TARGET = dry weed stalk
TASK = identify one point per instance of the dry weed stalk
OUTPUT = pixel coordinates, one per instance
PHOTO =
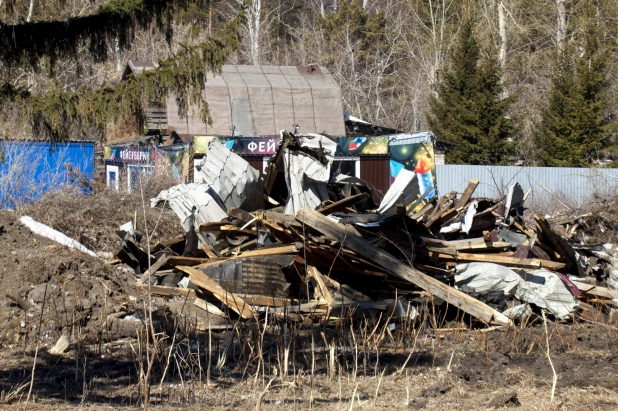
(555, 379)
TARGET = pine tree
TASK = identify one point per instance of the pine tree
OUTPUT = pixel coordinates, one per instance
(469, 109)
(577, 126)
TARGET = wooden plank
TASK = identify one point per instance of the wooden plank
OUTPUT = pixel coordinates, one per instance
(422, 212)
(478, 244)
(465, 196)
(286, 249)
(209, 307)
(399, 269)
(211, 226)
(503, 260)
(235, 303)
(190, 261)
(596, 290)
(240, 214)
(313, 272)
(238, 248)
(165, 291)
(229, 228)
(266, 301)
(154, 268)
(210, 252)
(342, 204)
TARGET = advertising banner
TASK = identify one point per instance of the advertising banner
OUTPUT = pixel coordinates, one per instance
(240, 145)
(414, 152)
(120, 154)
(174, 161)
(351, 146)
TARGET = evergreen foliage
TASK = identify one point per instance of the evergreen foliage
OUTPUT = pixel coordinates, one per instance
(183, 73)
(469, 109)
(26, 44)
(577, 126)
(355, 27)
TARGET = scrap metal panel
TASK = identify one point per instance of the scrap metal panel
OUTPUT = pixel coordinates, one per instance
(549, 185)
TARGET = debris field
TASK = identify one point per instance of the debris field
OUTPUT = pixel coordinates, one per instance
(311, 245)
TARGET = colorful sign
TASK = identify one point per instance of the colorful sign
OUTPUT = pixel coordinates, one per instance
(120, 154)
(362, 145)
(259, 146)
(174, 161)
(414, 152)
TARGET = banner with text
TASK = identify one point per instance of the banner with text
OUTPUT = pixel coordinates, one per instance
(259, 146)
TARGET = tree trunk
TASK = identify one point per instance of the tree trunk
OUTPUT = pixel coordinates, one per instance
(30, 9)
(503, 39)
(562, 25)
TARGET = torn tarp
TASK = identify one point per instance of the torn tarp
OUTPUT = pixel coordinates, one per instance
(542, 287)
(234, 180)
(307, 172)
(404, 190)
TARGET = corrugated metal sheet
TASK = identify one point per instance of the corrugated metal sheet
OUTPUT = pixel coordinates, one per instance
(375, 171)
(28, 169)
(550, 185)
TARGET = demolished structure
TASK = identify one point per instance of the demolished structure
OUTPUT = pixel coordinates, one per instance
(309, 244)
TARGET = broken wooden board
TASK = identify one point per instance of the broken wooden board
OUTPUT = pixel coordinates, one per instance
(503, 260)
(399, 269)
(210, 252)
(325, 293)
(165, 291)
(465, 196)
(153, 268)
(596, 290)
(285, 249)
(190, 261)
(235, 303)
(342, 204)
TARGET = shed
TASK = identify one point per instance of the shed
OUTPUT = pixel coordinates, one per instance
(155, 116)
(256, 101)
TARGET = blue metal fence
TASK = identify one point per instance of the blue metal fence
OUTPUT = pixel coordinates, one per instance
(551, 187)
(29, 169)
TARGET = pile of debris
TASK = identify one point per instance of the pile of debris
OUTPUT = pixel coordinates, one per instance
(309, 244)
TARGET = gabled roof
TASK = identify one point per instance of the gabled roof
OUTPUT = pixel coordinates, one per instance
(136, 67)
(256, 101)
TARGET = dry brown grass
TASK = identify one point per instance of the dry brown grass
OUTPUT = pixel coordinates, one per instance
(94, 218)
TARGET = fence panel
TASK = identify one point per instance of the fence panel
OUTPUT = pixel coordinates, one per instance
(552, 187)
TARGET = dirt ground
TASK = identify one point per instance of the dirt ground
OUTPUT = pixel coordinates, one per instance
(97, 307)
(465, 370)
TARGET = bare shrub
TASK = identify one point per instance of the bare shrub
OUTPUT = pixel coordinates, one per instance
(93, 218)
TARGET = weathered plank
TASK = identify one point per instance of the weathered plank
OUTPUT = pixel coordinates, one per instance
(596, 290)
(235, 303)
(324, 291)
(503, 260)
(399, 269)
(165, 291)
(154, 267)
(342, 204)
(465, 196)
